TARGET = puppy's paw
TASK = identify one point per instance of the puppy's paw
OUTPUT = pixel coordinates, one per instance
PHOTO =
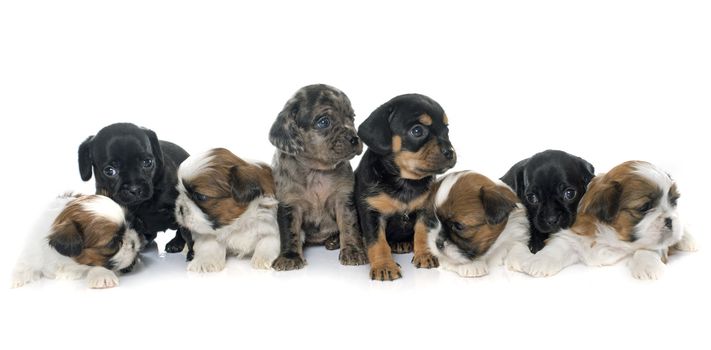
(102, 279)
(647, 269)
(401, 247)
(201, 265)
(333, 242)
(687, 243)
(288, 261)
(262, 262)
(387, 271)
(473, 269)
(20, 278)
(515, 263)
(352, 256)
(425, 261)
(175, 245)
(541, 266)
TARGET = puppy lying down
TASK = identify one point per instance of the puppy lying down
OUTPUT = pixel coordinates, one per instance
(79, 236)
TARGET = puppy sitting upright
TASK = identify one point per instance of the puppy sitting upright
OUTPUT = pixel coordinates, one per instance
(315, 139)
(408, 143)
(139, 172)
(550, 184)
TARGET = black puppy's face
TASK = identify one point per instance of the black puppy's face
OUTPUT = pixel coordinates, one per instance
(125, 159)
(413, 129)
(550, 184)
(317, 124)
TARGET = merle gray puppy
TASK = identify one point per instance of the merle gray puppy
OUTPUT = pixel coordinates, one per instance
(315, 140)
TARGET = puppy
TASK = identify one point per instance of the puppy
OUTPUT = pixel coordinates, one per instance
(139, 172)
(229, 206)
(550, 184)
(79, 236)
(315, 139)
(474, 223)
(408, 143)
(629, 212)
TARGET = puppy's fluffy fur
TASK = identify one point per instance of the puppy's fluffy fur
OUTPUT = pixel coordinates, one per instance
(475, 223)
(229, 206)
(79, 236)
(629, 212)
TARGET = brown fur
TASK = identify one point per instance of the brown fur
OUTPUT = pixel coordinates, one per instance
(425, 119)
(416, 165)
(387, 205)
(422, 257)
(382, 265)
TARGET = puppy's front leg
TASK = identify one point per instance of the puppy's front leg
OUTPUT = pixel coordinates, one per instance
(291, 250)
(422, 257)
(556, 255)
(351, 241)
(382, 265)
(687, 243)
(517, 254)
(210, 255)
(101, 278)
(646, 265)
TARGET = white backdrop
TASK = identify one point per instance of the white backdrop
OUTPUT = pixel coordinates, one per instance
(607, 80)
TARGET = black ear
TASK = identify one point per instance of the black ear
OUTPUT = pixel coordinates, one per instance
(156, 149)
(245, 186)
(375, 131)
(66, 238)
(587, 169)
(284, 134)
(605, 202)
(496, 206)
(85, 161)
(514, 178)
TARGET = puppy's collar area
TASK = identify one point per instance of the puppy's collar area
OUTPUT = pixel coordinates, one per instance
(315, 164)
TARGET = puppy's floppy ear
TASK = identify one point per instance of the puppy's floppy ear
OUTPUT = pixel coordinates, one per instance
(245, 185)
(85, 161)
(587, 169)
(284, 134)
(604, 202)
(156, 149)
(514, 177)
(66, 238)
(496, 206)
(375, 131)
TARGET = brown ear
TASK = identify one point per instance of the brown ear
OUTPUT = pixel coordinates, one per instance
(604, 202)
(496, 205)
(67, 238)
(245, 184)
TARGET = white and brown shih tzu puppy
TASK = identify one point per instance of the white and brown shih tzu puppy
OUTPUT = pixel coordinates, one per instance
(475, 223)
(229, 206)
(629, 212)
(79, 236)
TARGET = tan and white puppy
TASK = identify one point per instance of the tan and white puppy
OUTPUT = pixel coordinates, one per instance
(79, 236)
(629, 212)
(229, 206)
(476, 223)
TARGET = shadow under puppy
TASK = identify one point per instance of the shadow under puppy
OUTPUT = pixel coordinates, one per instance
(315, 140)
(550, 185)
(474, 223)
(408, 143)
(229, 205)
(79, 236)
(139, 172)
(629, 212)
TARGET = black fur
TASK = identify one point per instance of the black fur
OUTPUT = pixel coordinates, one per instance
(547, 176)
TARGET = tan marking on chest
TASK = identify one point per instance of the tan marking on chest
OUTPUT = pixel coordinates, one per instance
(385, 204)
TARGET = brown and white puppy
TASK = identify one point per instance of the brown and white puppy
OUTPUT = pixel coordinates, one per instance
(315, 140)
(79, 236)
(475, 223)
(629, 212)
(229, 206)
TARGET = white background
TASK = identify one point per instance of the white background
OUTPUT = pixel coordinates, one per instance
(606, 80)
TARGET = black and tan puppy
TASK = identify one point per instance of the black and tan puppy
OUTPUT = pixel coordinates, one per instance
(315, 139)
(550, 185)
(408, 144)
(139, 172)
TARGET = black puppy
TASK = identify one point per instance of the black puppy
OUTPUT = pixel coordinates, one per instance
(138, 172)
(550, 185)
(408, 143)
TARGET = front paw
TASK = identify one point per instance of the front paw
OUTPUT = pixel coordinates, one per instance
(473, 269)
(102, 280)
(333, 242)
(401, 247)
(288, 261)
(425, 261)
(541, 266)
(648, 269)
(388, 271)
(686, 244)
(206, 265)
(175, 245)
(21, 278)
(352, 256)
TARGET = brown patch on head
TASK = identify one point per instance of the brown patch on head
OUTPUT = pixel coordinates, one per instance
(475, 212)
(445, 120)
(617, 199)
(229, 184)
(425, 119)
(427, 161)
(397, 143)
(86, 237)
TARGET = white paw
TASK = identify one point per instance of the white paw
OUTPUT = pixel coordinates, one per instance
(103, 279)
(687, 244)
(647, 269)
(206, 265)
(21, 278)
(262, 262)
(474, 269)
(515, 263)
(541, 266)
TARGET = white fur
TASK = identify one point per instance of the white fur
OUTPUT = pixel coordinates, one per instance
(39, 259)
(194, 165)
(446, 186)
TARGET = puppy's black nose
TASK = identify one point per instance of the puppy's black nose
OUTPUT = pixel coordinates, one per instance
(354, 140)
(668, 223)
(448, 152)
(135, 190)
(552, 220)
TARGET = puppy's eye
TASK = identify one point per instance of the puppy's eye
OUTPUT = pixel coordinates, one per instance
(418, 131)
(673, 201)
(569, 194)
(323, 122)
(147, 163)
(199, 197)
(458, 227)
(532, 198)
(645, 208)
(110, 171)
